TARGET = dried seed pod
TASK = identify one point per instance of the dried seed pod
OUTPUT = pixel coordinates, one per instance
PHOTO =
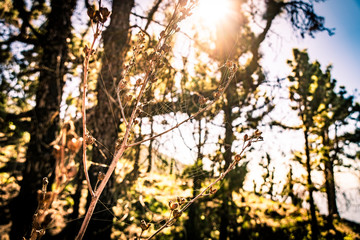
(246, 137)
(173, 205)
(144, 226)
(138, 111)
(177, 213)
(105, 13)
(181, 200)
(97, 18)
(74, 145)
(138, 82)
(257, 133)
(86, 50)
(212, 190)
(91, 12)
(100, 176)
(128, 98)
(45, 182)
(89, 140)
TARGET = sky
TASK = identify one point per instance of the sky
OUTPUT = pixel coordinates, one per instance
(341, 50)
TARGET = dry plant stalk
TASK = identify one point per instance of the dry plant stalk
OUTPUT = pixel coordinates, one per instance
(65, 148)
(182, 10)
(42, 217)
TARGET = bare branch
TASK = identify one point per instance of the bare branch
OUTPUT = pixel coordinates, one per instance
(192, 116)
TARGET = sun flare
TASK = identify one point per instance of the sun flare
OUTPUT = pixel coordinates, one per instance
(211, 12)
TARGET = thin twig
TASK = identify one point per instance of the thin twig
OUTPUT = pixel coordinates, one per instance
(86, 66)
(203, 192)
(189, 118)
(121, 107)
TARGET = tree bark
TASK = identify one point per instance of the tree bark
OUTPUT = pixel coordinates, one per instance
(329, 181)
(193, 225)
(45, 116)
(107, 118)
(314, 223)
(150, 148)
(229, 137)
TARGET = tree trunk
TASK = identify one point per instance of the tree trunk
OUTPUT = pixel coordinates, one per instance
(150, 145)
(193, 227)
(314, 223)
(229, 136)
(329, 181)
(45, 117)
(107, 118)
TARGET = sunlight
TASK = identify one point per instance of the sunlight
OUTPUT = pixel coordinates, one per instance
(211, 12)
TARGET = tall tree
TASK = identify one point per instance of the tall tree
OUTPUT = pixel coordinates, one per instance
(193, 225)
(52, 38)
(303, 97)
(322, 110)
(335, 111)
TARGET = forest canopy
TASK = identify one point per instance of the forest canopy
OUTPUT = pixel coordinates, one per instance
(161, 120)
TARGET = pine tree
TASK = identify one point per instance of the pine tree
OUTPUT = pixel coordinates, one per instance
(335, 111)
(303, 97)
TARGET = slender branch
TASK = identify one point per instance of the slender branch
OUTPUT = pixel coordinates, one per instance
(121, 107)
(255, 138)
(102, 185)
(143, 17)
(86, 67)
(189, 118)
(152, 13)
(20, 38)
